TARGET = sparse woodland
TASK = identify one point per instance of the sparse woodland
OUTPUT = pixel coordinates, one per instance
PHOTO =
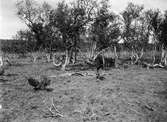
(52, 70)
(87, 26)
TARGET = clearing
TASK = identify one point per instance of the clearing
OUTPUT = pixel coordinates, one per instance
(133, 94)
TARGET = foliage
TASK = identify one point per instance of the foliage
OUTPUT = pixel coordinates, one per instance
(163, 28)
(70, 21)
(68, 26)
(36, 18)
(132, 24)
(154, 19)
(105, 27)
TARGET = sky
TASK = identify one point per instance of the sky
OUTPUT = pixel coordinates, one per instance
(10, 23)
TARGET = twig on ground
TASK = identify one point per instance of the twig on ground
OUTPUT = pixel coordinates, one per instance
(55, 113)
(55, 108)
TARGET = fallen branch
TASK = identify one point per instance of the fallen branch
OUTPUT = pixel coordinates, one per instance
(77, 74)
(158, 65)
(145, 64)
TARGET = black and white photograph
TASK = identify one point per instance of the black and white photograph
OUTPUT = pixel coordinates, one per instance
(83, 60)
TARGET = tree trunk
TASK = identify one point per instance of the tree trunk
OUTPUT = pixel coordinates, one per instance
(162, 53)
(139, 55)
(75, 48)
(116, 57)
(67, 60)
(154, 53)
(163, 56)
(93, 49)
(71, 55)
(1, 60)
(75, 55)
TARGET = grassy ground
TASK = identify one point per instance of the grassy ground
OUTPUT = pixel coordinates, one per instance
(125, 95)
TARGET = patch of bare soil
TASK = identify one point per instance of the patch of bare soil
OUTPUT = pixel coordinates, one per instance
(125, 95)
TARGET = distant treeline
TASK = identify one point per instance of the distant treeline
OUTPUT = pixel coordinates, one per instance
(22, 46)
